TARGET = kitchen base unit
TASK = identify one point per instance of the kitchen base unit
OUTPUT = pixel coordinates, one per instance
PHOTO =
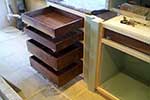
(123, 77)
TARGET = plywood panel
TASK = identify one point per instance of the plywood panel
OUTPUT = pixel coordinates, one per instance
(94, 55)
(111, 63)
(137, 69)
(125, 88)
(86, 48)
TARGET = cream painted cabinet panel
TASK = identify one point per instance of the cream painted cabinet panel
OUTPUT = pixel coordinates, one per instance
(35, 4)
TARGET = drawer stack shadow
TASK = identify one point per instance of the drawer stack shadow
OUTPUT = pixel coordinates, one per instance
(55, 43)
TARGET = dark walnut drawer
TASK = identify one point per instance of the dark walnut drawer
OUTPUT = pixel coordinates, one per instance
(55, 44)
(58, 77)
(58, 60)
(53, 21)
(127, 41)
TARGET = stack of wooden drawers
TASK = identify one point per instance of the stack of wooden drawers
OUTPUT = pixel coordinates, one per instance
(55, 43)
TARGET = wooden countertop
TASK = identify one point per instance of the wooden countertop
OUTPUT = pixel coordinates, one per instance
(138, 32)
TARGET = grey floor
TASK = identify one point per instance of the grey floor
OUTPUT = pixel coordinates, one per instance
(15, 67)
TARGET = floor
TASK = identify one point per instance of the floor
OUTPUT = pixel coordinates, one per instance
(136, 89)
(15, 67)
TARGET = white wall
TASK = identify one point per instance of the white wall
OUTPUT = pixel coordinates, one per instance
(35, 4)
(3, 14)
(31, 5)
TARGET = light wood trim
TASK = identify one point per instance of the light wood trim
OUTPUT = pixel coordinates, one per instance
(127, 50)
(106, 94)
(98, 80)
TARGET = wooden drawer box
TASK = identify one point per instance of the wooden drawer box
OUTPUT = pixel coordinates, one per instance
(58, 60)
(127, 41)
(55, 44)
(58, 77)
(53, 21)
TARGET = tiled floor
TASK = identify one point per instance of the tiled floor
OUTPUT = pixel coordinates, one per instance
(15, 67)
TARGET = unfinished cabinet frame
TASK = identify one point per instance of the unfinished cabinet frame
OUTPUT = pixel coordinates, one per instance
(91, 52)
(94, 42)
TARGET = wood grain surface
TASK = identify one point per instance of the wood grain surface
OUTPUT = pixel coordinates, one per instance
(55, 44)
(58, 77)
(53, 21)
(57, 60)
(127, 41)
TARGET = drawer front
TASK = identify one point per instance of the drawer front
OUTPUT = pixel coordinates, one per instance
(57, 60)
(55, 44)
(129, 42)
(58, 77)
(53, 21)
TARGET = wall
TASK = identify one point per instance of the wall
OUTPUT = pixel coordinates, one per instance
(3, 14)
(35, 4)
(31, 5)
(115, 3)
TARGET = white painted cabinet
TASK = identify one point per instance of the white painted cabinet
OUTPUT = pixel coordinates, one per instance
(35, 4)
(3, 14)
